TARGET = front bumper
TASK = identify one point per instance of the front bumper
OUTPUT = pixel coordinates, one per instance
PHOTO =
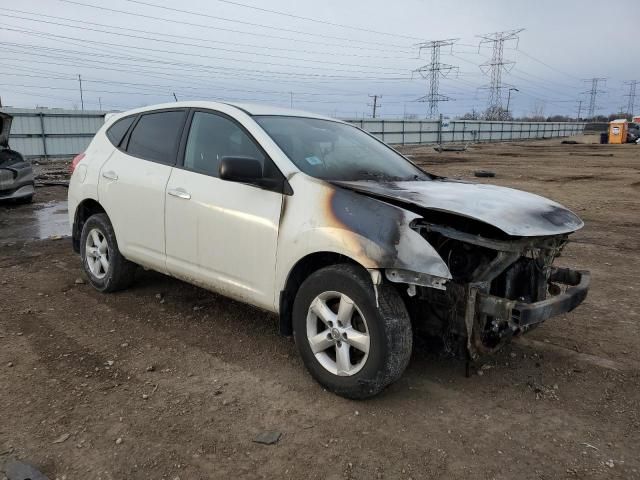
(522, 315)
(23, 191)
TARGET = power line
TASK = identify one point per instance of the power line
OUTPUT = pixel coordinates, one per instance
(174, 52)
(300, 17)
(433, 71)
(546, 64)
(186, 37)
(495, 66)
(378, 44)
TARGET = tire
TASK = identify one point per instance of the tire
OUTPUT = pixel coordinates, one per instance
(118, 272)
(24, 200)
(384, 331)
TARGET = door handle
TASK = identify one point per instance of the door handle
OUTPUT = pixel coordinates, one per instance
(110, 175)
(180, 193)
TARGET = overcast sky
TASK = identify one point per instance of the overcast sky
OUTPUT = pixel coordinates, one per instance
(326, 57)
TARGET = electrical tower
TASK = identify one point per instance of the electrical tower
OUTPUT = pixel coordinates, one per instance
(632, 96)
(593, 94)
(495, 67)
(375, 105)
(579, 109)
(433, 71)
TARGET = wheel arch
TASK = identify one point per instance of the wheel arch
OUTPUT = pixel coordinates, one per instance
(298, 273)
(84, 210)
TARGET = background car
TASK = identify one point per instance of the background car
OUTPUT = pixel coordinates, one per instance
(633, 133)
(16, 173)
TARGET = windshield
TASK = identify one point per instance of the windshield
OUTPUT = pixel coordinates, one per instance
(337, 151)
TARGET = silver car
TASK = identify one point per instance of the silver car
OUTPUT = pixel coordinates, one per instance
(16, 173)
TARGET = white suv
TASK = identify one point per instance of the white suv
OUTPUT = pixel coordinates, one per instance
(313, 219)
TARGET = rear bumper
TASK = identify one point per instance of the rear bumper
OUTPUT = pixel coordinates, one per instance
(522, 315)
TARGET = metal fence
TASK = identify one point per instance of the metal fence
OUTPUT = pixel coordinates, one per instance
(52, 133)
(414, 132)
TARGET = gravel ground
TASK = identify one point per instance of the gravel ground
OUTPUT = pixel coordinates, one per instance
(166, 380)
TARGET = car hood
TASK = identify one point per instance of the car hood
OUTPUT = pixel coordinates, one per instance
(5, 128)
(513, 211)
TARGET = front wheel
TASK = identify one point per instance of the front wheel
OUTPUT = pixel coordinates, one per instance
(106, 268)
(352, 343)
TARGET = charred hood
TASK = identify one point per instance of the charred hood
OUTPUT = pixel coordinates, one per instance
(514, 212)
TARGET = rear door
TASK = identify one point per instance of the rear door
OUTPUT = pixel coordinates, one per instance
(221, 234)
(132, 185)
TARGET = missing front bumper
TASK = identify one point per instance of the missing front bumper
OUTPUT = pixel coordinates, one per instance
(522, 315)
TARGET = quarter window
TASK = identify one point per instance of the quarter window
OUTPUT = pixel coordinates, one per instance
(116, 132)
(213, 137)
(156, 136)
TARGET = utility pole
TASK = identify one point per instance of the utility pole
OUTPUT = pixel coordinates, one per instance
(593, 94)
(433, 71)
(291, 99)
(631, 106)
(100, 102)
(509, 97)
(375, 104)
(495, 67)
(81, 99)
(579, 109)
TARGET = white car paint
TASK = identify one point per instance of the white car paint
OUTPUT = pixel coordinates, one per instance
(241, 240)
(224, 236)
(133, 191)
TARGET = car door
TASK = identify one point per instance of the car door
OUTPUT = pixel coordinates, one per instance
(132, 185)
(222, 234)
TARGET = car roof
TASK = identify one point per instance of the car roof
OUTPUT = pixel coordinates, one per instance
(248, 108)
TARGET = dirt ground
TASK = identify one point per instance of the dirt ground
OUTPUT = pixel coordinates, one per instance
(168, 381)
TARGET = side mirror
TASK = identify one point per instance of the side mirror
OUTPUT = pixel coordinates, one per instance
(240, 169)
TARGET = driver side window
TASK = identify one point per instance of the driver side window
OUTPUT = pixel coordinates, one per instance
(212, 137)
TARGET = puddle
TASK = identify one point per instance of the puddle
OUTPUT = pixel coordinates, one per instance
(37, 221)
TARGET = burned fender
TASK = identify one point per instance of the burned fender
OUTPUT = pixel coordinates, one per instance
(376, 234)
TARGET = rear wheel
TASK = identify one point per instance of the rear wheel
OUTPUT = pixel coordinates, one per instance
(351, 345)
(106, 268)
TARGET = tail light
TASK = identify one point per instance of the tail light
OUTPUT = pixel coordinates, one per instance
(75, 162)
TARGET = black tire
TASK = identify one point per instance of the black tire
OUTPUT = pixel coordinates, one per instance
(121, 271)
(389, 329)
(24, 200)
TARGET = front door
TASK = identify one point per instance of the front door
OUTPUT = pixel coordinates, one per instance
(221, 234)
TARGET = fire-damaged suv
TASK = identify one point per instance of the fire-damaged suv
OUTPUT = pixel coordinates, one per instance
(350, 243)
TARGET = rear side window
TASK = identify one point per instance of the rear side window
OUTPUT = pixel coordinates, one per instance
(116, 132)
(156, 136)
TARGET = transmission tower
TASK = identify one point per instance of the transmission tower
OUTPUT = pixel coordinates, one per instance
(593, 94)
(631, 106)
(580, 102)
(433, 71)
(496, 66)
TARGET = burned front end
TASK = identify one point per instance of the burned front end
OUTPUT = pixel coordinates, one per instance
(501, 286)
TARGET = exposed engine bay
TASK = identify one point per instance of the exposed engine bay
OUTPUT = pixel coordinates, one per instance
(502, 286)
